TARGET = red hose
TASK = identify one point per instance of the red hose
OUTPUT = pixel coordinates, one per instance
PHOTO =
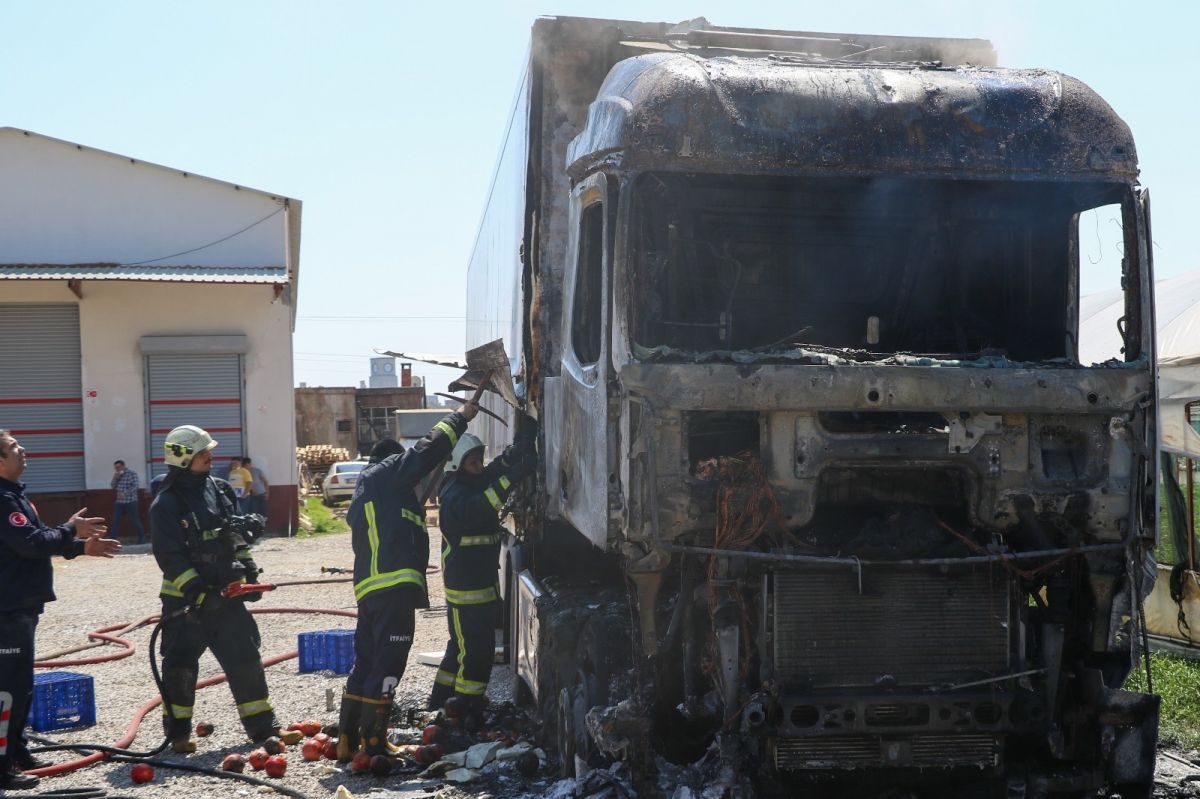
(131, 731)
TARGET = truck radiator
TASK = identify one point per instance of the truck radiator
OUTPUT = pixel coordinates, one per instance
(909, 626)
(948, 750)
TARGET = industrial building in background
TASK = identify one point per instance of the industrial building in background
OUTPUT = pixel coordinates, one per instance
(136, 298)
(356, 418)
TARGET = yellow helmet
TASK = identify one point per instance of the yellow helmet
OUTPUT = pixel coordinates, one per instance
(182, 444)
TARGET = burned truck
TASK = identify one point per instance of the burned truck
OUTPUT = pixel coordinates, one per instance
(825, 494)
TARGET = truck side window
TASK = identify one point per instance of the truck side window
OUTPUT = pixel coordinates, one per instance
(586, 329)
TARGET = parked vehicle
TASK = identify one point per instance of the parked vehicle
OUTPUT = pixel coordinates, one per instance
(340, 481)
(823, 484)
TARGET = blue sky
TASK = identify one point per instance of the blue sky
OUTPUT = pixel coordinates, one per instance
(385, 118)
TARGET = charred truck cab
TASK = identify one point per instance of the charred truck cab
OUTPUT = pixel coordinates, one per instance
(824, 487)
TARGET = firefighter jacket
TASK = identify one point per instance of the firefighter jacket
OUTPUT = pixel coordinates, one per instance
(26, 546)
(469, 519)
(387, 519)
(193, 541)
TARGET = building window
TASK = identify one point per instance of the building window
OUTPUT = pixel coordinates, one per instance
(375, 424)
(345, 426)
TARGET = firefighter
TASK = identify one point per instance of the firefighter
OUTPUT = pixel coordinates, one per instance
(470, 502)
(26, 585)
(202, 546)
(391, 551)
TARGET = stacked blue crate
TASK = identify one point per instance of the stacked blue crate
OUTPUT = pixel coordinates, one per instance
(322, 650)
(62, 700)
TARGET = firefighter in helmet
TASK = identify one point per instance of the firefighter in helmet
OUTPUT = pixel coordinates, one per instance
(391, 551)
(202, 546)
(469, 518)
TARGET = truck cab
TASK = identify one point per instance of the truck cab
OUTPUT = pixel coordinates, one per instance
(801, 328)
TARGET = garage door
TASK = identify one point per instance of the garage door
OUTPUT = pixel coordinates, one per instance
(199, 389)
(41, 391)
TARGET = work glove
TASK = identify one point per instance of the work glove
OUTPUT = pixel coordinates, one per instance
(252, 573)
(198, 595)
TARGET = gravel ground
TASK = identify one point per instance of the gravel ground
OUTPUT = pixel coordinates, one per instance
(94, 593)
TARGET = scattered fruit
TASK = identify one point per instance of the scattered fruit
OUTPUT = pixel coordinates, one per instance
(430, 734)
(142, 772)
(203, 729)
(276, 766)
(321, 738)
(311, 749)
(234, 762)
(360, 763)
(381, 765)
(310, 727)
(274, 746)
(329, 750)
(258, 759)
(430, 753)
(295, 725)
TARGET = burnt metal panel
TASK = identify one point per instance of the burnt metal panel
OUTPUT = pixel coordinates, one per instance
(903, 627)
(684, 111)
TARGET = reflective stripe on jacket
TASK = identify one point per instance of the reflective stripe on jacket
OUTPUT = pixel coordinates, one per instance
(387, 523)
(471, 531)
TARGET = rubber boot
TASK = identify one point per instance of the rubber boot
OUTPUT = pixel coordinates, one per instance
(179, 686)
(439, 695)
(374, 726)
(348, 737)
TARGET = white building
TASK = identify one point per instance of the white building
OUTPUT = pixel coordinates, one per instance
(134, 298)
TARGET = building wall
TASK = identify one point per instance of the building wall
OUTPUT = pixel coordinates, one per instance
(318, 411)
(64, 203)
(113, 316)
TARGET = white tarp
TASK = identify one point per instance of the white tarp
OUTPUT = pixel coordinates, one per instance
(1177, 318)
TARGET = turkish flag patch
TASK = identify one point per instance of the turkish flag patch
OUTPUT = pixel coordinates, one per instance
(18, 519)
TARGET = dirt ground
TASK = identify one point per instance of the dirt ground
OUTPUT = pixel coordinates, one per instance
(94, 593)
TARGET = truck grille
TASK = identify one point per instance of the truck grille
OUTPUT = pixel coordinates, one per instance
(909, 626)
(870, 751)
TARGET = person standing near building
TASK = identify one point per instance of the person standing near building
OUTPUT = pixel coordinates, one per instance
(258, 488)
(26, 585)
(202, 547)
(391, 552)
(471, 498)
(125, 484)
(241, 482)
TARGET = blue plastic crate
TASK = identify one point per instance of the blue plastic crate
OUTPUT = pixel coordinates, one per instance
(331, 650)
(62, 700)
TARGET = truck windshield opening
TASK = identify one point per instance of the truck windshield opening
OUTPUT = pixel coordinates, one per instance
(874, 266)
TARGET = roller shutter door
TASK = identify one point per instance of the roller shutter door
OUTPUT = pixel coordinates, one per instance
(199, 389)
(41, 392)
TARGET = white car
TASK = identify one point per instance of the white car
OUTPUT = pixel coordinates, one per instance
(340, 480)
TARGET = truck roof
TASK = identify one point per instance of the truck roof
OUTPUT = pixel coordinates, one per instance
(810, 114)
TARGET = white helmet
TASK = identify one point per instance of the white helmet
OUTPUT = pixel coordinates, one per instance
(466, 445)
(182, 444)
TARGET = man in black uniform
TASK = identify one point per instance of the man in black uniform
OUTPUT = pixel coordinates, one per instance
(391, 551)
(471, 498)
(202, 546)
(26, 584)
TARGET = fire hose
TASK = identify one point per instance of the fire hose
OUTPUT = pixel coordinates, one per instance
(119, 749)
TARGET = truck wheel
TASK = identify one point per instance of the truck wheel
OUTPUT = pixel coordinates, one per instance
(566, 731)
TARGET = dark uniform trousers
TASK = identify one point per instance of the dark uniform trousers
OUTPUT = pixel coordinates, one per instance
(16, 679)
(470, 652)
(226, 627)
(382, 640)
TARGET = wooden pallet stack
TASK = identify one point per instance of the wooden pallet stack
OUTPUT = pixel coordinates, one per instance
(315, 460)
